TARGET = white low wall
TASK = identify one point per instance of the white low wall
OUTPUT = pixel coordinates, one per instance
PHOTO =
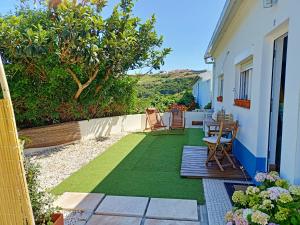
(111, 125)
(130, 123)
(65, 133)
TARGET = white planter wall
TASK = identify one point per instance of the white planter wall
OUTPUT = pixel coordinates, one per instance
(130, 123)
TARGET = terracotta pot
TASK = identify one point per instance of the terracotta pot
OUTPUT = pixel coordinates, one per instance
(242, 103)
(220, 98)
(57, 219)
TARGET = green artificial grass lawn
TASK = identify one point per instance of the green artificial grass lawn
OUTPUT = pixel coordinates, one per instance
(140, 164)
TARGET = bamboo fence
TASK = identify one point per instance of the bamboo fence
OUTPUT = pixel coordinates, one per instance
(15, 206)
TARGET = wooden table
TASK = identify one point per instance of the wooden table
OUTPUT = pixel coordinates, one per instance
(214, 125)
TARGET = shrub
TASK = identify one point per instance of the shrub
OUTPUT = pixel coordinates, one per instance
(208, 106)
(273, 202)
(41, 201)
(67, 62)
(187, 99)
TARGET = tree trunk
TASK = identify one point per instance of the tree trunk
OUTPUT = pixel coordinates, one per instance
(78, 93)
(81, 86)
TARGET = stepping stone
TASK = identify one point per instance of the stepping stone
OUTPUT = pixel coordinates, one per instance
(122, 206)
(114, 220)
(174, 209)
(79, 201)
(169, 222)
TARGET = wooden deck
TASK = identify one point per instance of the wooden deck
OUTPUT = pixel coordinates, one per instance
(193, 166)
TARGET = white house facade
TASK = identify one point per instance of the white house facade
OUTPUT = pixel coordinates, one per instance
(202, 89)
(255, 54)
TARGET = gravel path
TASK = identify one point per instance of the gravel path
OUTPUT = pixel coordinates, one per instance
(69, 158)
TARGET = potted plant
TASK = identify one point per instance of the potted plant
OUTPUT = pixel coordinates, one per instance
(244, 103)
(57, 219)
(273, 202)
(220, 98)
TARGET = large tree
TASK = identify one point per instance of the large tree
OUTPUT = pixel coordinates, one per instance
(74, 36)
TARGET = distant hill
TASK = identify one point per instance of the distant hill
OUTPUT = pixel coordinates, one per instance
(165, 88)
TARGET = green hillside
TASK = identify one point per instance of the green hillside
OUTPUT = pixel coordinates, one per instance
(163, 89)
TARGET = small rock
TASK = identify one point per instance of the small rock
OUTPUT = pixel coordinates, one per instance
(58, 163)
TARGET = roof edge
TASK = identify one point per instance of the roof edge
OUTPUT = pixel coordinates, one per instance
(229, 10)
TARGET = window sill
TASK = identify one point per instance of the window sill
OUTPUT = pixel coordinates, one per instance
(220, 98)
(242, 103)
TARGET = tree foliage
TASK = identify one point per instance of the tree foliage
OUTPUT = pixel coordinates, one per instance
(66, 61)
(163, 90)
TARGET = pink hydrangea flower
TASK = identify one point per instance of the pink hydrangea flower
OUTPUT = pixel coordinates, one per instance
(260, 177)
(275, 192)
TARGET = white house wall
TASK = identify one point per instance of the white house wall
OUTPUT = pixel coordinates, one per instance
(252, 32)
(202, 92)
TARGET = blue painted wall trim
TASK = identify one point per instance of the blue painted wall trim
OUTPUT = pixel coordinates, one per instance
(251, 163)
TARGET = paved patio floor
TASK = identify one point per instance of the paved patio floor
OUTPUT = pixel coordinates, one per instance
(98, 209)
(217, 200)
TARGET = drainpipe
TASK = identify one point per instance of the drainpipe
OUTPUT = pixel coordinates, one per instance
(211, 60)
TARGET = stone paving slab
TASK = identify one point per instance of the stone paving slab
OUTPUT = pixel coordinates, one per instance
(79, 201)
(114, 220)
(172, 209)
(123, 206)
(168, 222)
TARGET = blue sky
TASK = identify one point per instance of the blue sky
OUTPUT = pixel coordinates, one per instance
(186, 25)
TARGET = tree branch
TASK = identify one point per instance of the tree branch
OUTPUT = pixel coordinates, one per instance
(93, 77)
(75, 78)
(106, 76)
(81, 86)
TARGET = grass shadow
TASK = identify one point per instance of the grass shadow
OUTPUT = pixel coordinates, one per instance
(140, 164)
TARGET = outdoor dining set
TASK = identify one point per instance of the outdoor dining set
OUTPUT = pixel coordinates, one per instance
(221, 133)
(220, 130)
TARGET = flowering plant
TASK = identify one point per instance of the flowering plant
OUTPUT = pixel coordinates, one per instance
(273, 202)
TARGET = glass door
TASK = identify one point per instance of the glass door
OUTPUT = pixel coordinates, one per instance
(277, 102)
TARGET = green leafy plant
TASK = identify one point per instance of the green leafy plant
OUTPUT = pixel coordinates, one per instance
(208, 106)
(163, 89)
(273, 202)
(65, 61)
(41, 201)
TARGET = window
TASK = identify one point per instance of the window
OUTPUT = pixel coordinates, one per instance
(243, 83)
(244, 92)
(221, 85)
(244, 80)
(220, 88)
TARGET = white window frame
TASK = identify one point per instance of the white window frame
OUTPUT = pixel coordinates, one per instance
(244, 80)
(221, 85)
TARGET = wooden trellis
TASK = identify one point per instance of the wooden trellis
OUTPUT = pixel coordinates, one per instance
(15, 206)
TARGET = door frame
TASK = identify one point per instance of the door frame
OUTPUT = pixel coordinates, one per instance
(278, 48)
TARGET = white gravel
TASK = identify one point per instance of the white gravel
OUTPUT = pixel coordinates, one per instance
(60, 162)
(76, 217)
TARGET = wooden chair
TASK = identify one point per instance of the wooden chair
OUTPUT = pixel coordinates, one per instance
(154, 120)
(227, 147)
(215, 144)
(177, 119)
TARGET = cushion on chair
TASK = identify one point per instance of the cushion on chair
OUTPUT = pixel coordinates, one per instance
(213, 140)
